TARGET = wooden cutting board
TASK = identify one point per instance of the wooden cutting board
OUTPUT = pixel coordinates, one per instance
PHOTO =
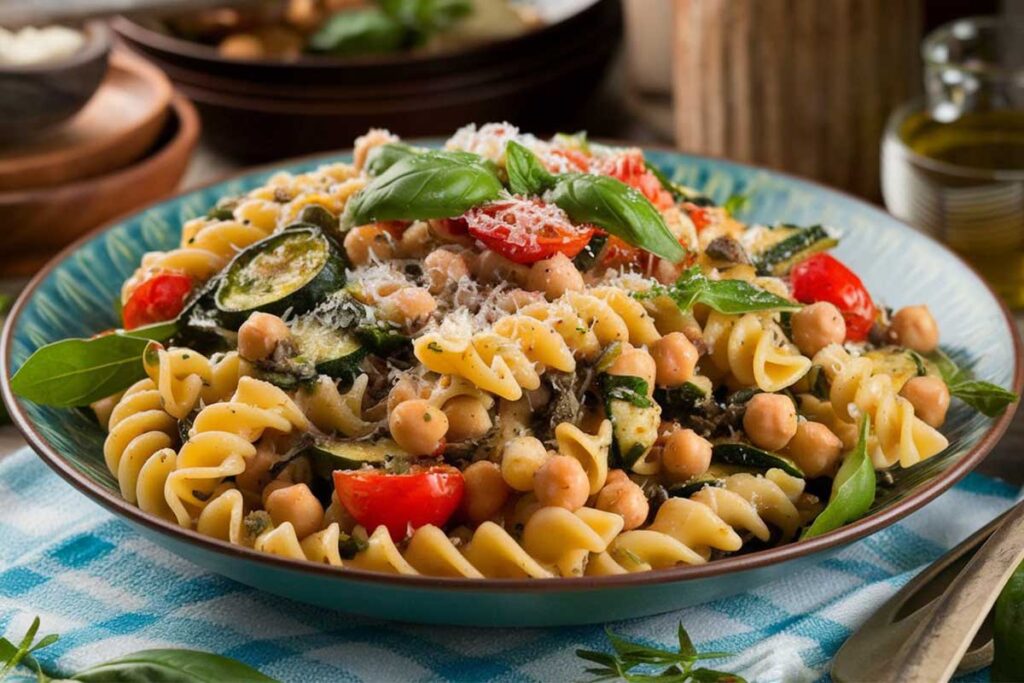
(117, 127)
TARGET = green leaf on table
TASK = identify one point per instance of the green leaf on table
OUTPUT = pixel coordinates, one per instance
(526, 174)
(853, 489)
(1008, 631)
(423, 186)
(76, 372)
(619, 209)
(724, 296)
(13, 655)
(171, 666)
(988, 398)
(357, 32)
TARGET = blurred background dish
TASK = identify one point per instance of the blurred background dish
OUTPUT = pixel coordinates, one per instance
(47, 75)
(115, 128)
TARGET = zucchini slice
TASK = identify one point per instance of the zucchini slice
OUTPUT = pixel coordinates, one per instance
(334, 352)
(634, 416)
(688, 488)
(588, 257)
(293, 269)
(745, 455)
(328, 455)
(683, 400)
(776, 250)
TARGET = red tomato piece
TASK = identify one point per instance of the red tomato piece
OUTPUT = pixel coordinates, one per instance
(575, 160)
(701, 216)
(631, 169)
(400, 502)
(159, 298)
(822, 278)
(526, 230)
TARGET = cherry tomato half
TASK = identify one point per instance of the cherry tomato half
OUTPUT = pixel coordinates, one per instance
(159, 298)
(822, 278)
(630, 168)
(400, 501)
(525, 230)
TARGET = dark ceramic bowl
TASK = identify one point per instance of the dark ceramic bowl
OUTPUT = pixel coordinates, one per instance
(36, 97)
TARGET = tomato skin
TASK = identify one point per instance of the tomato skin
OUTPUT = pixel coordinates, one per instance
(700, 215)
(546, 229)
(400, 501)
(631, 169)
(823, 278)
(160, 297)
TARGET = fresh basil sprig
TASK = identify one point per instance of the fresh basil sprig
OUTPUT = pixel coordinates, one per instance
(595, 199)
(635, 662)
(76, 372)
(724, 296)
(627, 388)
(988, 398)
(180, 666)
(427, 185)
(853, 489)
(383, 157)
(1008, 631)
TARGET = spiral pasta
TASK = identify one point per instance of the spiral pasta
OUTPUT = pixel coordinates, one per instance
(754, 351)
(184, 377)
(139, 431)
(899, 435)
(334, 412)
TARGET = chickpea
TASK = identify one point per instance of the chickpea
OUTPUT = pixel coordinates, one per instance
(408, 305)
(514, 299)
(298, 505)
(367, 242)
(405, 389)
(770, 421)
(467, 418)
(417, 426)
(259, 336)
(815, 449)
(375, 137)
(520, 460)
(915, 328)
(623, 497)
(415, 240)
(667, 272)
(490, 266)
(675, 358)
(636, 363)
(816, 326)
(441, 228)
(443, 266)
(256, 475)
(242, 46)
(930, 398)
(561, 482)
(554, 276)
(485, 491)
(685, 455)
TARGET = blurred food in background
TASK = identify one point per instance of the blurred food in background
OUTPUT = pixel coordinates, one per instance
(31, 45)
(284, 30)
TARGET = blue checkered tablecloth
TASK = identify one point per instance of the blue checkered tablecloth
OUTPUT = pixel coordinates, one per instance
(107, 592)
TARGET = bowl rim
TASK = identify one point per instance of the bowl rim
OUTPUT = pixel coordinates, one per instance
(134, 30)
(740, 563)
(99, 41)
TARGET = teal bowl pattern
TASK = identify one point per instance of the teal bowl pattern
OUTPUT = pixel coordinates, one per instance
(74, 295)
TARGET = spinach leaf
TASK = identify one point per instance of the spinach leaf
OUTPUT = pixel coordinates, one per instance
(179, 666)
(853, 489)
(1008, 631)
(619, 209)
(633, 390)
(384, 157)
(985, 397)
(526, 175)
(76, 372)
(428, 185)
(724, 296)
(357, 32)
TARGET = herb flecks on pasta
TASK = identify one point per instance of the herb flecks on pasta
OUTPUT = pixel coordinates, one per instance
(511, 358)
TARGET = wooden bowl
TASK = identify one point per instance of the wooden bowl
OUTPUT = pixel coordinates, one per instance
(36, 97)
(114, 129)
(40, 222)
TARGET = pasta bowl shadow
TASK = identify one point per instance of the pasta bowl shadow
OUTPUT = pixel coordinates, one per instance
(73, 297)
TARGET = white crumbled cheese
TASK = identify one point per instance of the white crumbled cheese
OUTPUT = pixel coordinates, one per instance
(519, 219)
(377, 280)
(33, 45)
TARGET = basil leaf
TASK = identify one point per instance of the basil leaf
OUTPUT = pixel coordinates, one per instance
(427, 16)
(725, 296)
(526, 175)
(358, 32)
(619, 209)
(987, 398)
(736, 203)
(626, 388)
(1008, 631)
(384, 157)
(76, 372)
(171, 666)
(428, 185)
(853, 489)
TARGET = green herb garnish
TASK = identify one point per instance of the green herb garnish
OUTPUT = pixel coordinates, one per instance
(724, 296)
(633, 390)
(853, 489)
(985, 397)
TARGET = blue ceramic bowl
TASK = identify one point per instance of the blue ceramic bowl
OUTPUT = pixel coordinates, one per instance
(74, 295)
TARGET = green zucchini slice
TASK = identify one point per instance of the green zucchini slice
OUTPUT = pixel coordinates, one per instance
(332, 351)
(291, 270)
(328, 455)
(745, 455)
(688, 488)
(682, 400)
(634, 416)
(776, 250)
(588, 257)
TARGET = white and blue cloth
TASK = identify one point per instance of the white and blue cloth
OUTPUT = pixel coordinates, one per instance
(108, 592)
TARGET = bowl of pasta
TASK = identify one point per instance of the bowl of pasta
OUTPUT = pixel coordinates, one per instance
(505, 380)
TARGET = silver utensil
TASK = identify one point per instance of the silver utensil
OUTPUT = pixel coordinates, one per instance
(933, 627)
